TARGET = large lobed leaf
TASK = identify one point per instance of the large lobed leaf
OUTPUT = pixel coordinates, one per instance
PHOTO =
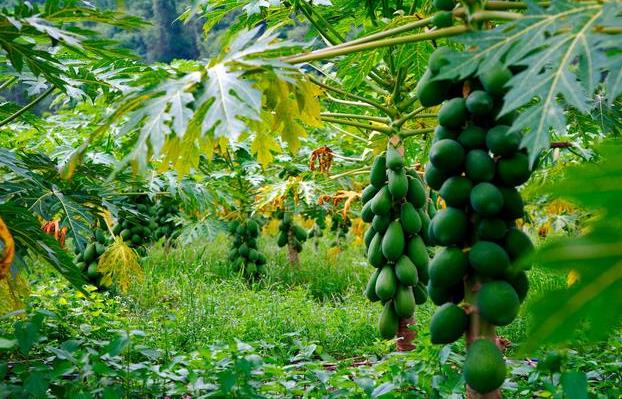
(566, 56)
(594, 301)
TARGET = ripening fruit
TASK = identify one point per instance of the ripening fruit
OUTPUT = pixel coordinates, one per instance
(486, 199)
(378, 174)
(398, 184)
(514, 171)
(456, 191)
(441, 132)
(381, 223)
(501, 141)
(484, 367)
(472, 137)
(381, 203)
(368, 193)
(520, 283)
(491, 229)
(404, 301)
(409, 218)
(513, 207)
(374, 252)
(386, 283)
(478, 166)
(447, 155)
(479, 103)
(418, 254)
(431, 92)
(448, 267)
(393, 242)
(388, 322)
(416, 192)
(517, 244)
(450, 226)
(498, 303)
(406, 271)
(394, 159)
(443, 19)
(495, 79)
(448, 324)
(366, 213)
(439, 57)
(435, 178)
(370, 289)
(421, 293)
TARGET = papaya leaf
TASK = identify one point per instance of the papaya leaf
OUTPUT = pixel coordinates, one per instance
(564, 52)
(595, 258)
(119, 266)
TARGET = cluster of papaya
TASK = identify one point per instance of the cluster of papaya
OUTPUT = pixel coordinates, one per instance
(320, 224)
(135, 232)
(395, 205)
(88, 259)
(244, 254)
(164, 219)
(289, 231)
(340, 227)
(475, 164)
(443, 16)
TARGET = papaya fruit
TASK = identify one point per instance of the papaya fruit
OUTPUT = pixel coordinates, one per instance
(395, 160)
(381, 203)
(478, 166)
(369, 235)
(447, 155)
(484, 368)
(404, 301)
(441, 132)
(90, 253)
(378, 174)
(431, 92)
(472, 137)
(489, 259)
(380, 223)
(81, 266)
(388, 322)
(251, 267)
(368, 193)
(374, 252)
(80, 256)
(517, 244)
(435, 178)
(100, 237)
(398, 184)
(409, 218)
(443, 19)
(501, 141)
(116, 230)
(456, 191)
(448, 267)
(252, 228)
(282, 239)
(393, 241)
(406, 271)
(519, 281)
(486, 199)
(416, 193)
(440, 57)
(99, 249)
(370, 288)
(490, 229)
(253, 255)
(91, 272)
(495, 79)
(299, 232)
(447, 324)
(418, 254)
(438, 295)
(513, 207)
(449, 226)
(386, 283)
(244, 250)
(498, 302)
(425, 227)
(479, 103)
(261, 259)
(126, 234)
(514, 171)
(453, 113)
(240, 230)
(421, 293)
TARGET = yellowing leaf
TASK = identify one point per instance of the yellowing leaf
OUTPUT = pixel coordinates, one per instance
(119, 265)
(263, 145)
(8, 249)
(13, 292)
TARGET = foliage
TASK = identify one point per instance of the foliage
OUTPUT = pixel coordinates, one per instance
(595, 256)
(119, 266)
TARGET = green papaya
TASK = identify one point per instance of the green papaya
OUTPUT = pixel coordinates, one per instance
(489, 259)
(299, 232)
(370, 289)
(514, 171)
(484, 368)
(116, 230)
(443, 19)
(81, 266)
(406, 271)
(418, 254)
(398, 184)
(381, 203)
(447, 155)
(472, 137)
(386, 284)
(90, 253)
(91, 272)
(251, 267)
(253, 255)
(425, 227)
(388, 322)
(440, 56)
(498, 303)
(435, 177)
(378, 174)
(495, 79)
(240, 230)
(449, 226)
(393, 241)
(374, 252)
(490, 229)
(486, 199)
(453, 113)
(261, 259)
(501, 141)
(99, 249)
(126, 234)
(431, 92)
(282, 239)
(404, 301)
(441, 132)
(80, 257)
(416, 192)
(252, 228)
(380, 223)
(448, 267)
(100, 237)
(368, 193)
(244, 250)
(456, 191)
(479, 103)
(394, 160)
(513, 207)
(448, 324)
(421, 293)
(409, 218)
(517, 244)
(369, 235)
(478, 166)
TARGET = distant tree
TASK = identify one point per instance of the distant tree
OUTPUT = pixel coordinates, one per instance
(173, 40)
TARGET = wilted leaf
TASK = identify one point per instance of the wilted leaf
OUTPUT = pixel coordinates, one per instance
(119, 265)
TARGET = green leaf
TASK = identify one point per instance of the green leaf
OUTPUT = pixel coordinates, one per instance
(7, 344)
(574, 384)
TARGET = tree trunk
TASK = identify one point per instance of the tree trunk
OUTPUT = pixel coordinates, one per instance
(478, 328)
(292, 254)
(405, 336)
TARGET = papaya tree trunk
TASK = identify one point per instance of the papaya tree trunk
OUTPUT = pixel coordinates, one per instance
(478, 328)
(405, 336)
(292, 253)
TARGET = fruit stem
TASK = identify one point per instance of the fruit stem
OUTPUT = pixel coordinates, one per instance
(369, 125)
(415, 132)
(484, 15)
(355, 116)
(351, 95)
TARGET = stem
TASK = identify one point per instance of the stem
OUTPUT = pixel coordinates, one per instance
(369, 126)
(405, 118)
(346, 102)
(334, 52)
(487, 15)
(355, 116)
(28, 106)
(351, 95)
(415, 132)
